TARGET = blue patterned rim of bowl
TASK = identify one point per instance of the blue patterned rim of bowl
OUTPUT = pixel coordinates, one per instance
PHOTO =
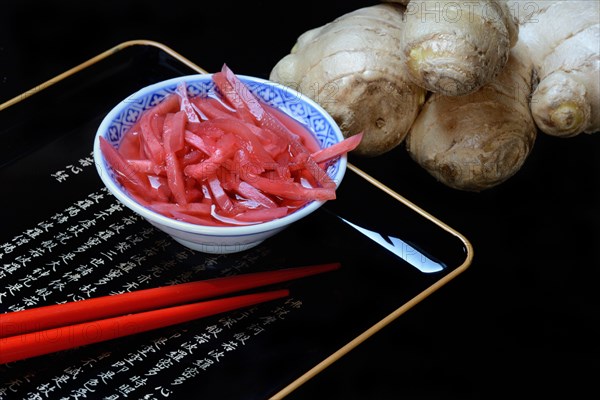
(119, 120)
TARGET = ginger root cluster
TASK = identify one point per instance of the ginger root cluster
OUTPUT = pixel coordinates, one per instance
(465, 86)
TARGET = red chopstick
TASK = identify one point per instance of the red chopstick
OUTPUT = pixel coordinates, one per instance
(47, 329)
(38, 343)
(41, 318)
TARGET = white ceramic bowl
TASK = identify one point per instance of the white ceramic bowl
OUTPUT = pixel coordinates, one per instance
(219, 239)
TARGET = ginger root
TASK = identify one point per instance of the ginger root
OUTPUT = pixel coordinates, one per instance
(454, 48)
(351, 67)
(496, 72)
(478, 141)
(563, 38)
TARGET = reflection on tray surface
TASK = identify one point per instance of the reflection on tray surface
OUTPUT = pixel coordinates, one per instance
(405, 251)
(77, 241)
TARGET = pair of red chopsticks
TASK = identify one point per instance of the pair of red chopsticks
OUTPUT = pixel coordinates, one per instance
(48, 329)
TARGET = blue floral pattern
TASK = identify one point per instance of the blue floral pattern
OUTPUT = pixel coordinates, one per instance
(287, 100)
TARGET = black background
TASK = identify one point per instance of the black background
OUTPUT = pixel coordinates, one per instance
(521, 321)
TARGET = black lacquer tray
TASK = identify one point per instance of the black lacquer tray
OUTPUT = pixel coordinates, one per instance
(64, 237)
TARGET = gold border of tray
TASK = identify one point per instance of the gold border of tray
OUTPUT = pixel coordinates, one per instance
(94, 60)
(399, 311)
(373, 329)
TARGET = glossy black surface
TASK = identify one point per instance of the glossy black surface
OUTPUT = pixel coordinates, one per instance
(521, 321)
(53, 131)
